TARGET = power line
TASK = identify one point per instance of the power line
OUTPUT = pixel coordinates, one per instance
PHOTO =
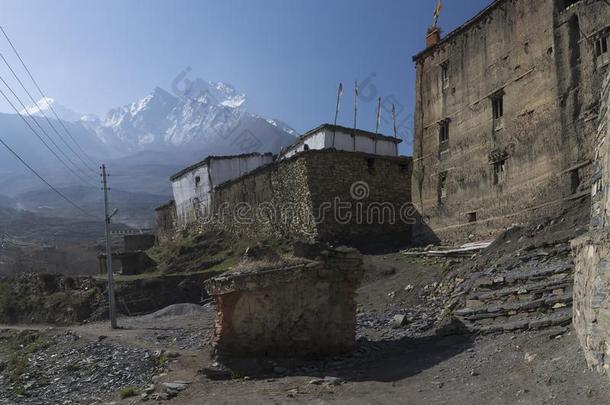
(30, 168)
(42, 113)
(78, 176)
(84, 175)
(44, 97)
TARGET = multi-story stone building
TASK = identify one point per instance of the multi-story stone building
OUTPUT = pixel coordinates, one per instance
(506, 115)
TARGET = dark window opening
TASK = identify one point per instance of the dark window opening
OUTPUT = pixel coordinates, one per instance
(442, 186)
(404, 168)
(305, 147)
(370, 163)
(445, 74)
(443, 136)
(601, 46)
(197, 180)
(497, 104)
(499, 174)
(472, 217)
(574, 181)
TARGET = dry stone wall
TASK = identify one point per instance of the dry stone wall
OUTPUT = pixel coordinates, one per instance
(592, 257)
(320, 195)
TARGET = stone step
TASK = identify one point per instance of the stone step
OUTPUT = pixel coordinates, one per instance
(499, 281)
(564, 282)
(505, 309)
(560, 317)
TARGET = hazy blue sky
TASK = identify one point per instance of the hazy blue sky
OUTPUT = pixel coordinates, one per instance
(287, 55)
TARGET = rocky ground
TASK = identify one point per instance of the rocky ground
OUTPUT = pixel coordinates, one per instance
(409, 348)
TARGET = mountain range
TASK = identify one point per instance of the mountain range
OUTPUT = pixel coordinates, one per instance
(142, 143)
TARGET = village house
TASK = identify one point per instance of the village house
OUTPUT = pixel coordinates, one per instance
(329, 136)
(506, 115)
(333, 184)
(193, 186)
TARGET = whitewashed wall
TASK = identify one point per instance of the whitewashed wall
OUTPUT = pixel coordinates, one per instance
(193, 197)
(190, 195)
(343, 140)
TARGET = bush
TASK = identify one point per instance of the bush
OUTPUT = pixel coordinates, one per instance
(129, 392)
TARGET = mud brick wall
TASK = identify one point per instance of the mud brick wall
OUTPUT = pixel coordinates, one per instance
(321, 195)
(299, 311)
(533, 55)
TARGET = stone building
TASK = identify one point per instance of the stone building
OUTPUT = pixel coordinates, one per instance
(302, 310)
(320, 189)
(506, 109)
(192, 186)
(331, 196)
(329, 136)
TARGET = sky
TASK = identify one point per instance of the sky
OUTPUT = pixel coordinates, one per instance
(288, 56)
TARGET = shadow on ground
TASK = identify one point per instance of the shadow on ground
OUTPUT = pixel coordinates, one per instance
(380, 361)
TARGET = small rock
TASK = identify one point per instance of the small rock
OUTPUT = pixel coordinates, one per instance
(333, 381)
(399, 321)
(174, 386)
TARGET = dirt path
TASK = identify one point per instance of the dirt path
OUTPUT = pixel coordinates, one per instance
(391, 366)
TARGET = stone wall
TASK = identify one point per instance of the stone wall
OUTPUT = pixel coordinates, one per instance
(592, 256)
(321, 195)
(533, 158)
(166, 222)
(592, 297)
(304, 310)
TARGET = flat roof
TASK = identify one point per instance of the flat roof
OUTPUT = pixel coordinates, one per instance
(487, 10)
(212, 157)
(340, 128)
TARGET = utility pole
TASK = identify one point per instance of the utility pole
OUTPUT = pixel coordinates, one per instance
(107, 217)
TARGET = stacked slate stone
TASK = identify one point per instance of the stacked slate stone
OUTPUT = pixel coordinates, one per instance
(535, 295)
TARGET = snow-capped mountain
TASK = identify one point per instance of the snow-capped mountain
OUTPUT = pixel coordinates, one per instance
(204, 115)
(44, 106)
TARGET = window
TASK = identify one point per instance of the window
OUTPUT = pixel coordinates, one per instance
(472, 217)
(497, 104)
(499, 174)
(574, 181)
(445, 74)
(370, 163)
(601, 46)
(197, 180)
(442, 186)
(443, 136)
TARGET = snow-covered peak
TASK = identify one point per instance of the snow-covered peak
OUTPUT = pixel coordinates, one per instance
(218, 93)
(43, 107)
(282, 126)
(201, 113)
